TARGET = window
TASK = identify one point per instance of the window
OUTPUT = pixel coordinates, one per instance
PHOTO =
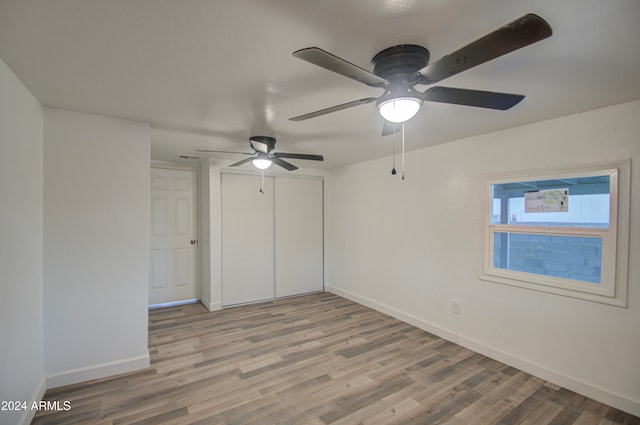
(561, 232)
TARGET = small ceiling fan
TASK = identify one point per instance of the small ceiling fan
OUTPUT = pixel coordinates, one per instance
(398, 69)
(263, 155)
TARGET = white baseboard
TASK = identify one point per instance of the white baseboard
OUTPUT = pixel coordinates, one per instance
(38, 394)
(211, 306)
(555, 377)
(102, 370)
(400, 315)
(573, 384)
(205, 302)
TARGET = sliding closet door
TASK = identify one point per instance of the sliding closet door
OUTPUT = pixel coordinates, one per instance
(247, 239)
(298, 236)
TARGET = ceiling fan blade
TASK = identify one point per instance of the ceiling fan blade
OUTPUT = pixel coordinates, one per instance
(284, 164)
(389, 128)
(477, 98)
(522, 32)
(334, 109)
(207, 150)
(243, 161)
(338, 65)
(309, 157)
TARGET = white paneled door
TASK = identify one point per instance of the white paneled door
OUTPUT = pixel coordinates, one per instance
(173, 236)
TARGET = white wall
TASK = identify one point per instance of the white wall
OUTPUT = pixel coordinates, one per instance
(204, 233)
(96, 245)
(210, 234)
(410, 248)
(21, 293)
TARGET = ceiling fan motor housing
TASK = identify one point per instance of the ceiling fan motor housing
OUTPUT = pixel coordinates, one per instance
(264, 144)
(400, 62)
(398, 65)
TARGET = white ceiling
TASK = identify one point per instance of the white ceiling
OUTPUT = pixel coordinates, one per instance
(208, 74)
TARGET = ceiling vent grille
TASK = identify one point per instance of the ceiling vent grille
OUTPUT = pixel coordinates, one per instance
(186, 156)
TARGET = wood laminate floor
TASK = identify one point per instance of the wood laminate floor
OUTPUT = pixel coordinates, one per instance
(315, 360)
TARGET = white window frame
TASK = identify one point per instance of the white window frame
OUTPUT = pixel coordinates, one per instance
(612, 288)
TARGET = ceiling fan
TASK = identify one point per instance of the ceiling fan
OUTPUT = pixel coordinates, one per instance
(263, 155)
(399, 69)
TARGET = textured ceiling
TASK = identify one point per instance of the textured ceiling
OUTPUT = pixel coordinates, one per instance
(208, 74)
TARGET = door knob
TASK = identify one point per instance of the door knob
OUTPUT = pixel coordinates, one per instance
(193, 241)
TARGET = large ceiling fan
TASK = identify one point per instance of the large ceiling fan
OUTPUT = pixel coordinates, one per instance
(399, 69)
(263, 155)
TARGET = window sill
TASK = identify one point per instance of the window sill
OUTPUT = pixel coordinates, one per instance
(564, 291)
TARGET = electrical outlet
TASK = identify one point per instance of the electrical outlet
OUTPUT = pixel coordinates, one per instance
(455, 307)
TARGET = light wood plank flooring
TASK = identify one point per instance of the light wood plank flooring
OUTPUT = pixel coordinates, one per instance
(315, 360)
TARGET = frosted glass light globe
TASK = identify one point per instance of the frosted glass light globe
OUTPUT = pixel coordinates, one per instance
(262, 163)
(399, 109)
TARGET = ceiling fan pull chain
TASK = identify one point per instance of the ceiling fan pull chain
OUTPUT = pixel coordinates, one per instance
(393, 170)
(402, 151)
(262, 181)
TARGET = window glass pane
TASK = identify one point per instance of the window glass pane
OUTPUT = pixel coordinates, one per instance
(569, 257)
(587, 203)
(584, 211)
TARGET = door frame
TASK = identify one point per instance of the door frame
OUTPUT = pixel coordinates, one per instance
(195, 167)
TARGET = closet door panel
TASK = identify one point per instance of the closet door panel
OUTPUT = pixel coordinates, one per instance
(247, 239)
(298, 236)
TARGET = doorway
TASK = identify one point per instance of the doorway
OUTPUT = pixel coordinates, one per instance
(173, 276)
